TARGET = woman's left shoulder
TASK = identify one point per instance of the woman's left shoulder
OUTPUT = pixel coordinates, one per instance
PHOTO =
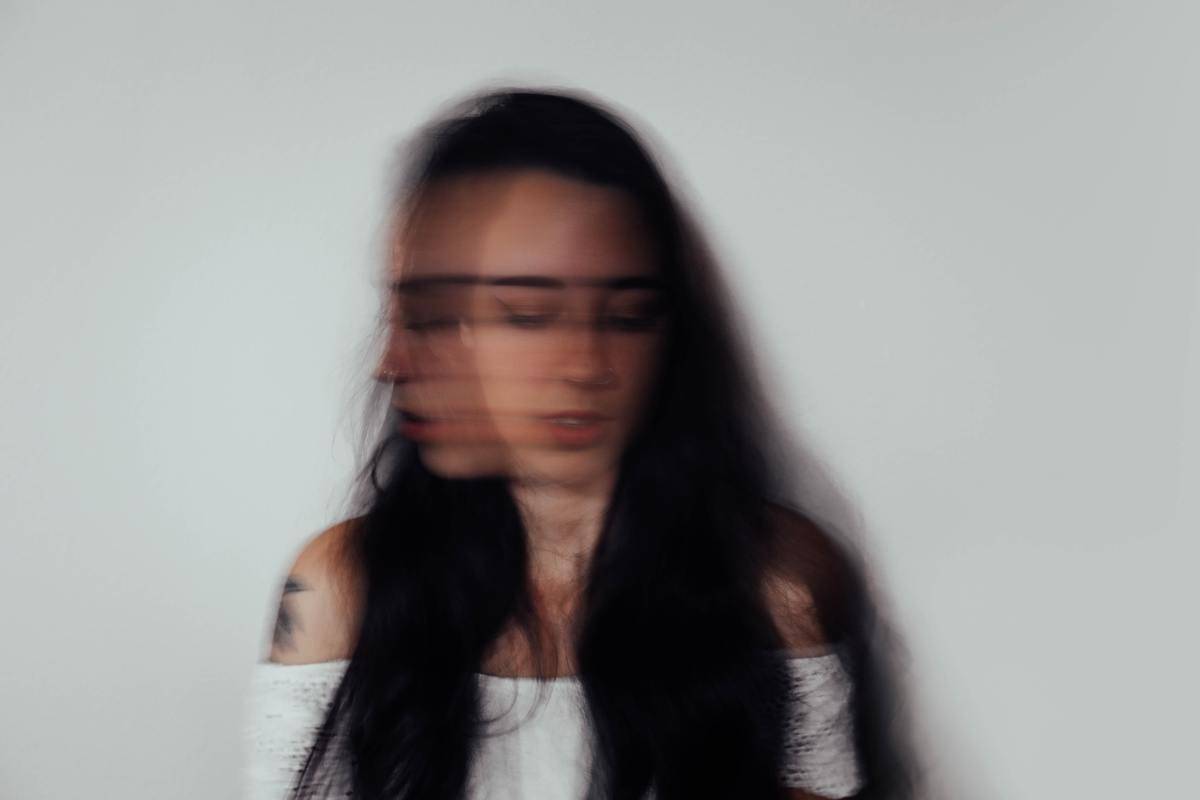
(800, 576)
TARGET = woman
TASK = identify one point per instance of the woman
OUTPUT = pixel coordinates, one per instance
(573, 571)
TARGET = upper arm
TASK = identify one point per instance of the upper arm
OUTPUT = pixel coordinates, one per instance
(794, 613)
(802, 582)
(807, 581)
(319, 602)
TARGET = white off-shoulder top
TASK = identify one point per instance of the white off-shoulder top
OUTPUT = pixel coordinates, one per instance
(538, 749)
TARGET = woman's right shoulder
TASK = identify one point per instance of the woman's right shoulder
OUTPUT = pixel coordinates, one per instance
(321, 600)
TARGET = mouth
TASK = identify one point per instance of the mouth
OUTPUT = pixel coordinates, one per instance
(423, 427)
(571, 428)
(576, 428)
(574, 419)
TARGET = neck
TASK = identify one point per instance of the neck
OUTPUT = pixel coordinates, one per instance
(562, 524)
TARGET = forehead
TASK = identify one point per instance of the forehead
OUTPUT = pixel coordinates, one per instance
(524, 223)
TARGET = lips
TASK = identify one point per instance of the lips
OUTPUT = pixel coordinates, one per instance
(572, 428)
(576, 428)
(422, 428)
(575, 415)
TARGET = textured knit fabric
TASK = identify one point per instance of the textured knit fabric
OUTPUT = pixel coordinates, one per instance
(537, 748)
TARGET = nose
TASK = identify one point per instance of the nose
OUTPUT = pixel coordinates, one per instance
(395, 366)
(586, 361)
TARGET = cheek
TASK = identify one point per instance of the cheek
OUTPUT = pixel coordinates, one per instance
(473, 460)
(506, 386)
(514, 384)
(639, 368)
(511, 394)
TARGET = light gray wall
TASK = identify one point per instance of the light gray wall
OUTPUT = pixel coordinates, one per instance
(965, 233)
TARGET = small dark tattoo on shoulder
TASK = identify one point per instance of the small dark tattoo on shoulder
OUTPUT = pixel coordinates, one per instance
(287, 622)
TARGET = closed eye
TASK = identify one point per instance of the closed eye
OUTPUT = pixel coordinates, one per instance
(535, 317)
(529, 320)
(428, 325)
(631, 323)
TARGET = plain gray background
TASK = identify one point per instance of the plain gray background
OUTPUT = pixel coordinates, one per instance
(964, 233)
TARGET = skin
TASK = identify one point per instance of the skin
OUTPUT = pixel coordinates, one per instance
(286, 620)
(523, 351)
(433, 371)
(489, 380)
(499, 376)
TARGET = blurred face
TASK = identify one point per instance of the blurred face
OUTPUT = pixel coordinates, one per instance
(529, 322)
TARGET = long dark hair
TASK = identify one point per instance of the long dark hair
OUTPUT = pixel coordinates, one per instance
(682, 667)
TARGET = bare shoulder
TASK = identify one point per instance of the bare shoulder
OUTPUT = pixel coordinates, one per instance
(320, 601)
(800, 579)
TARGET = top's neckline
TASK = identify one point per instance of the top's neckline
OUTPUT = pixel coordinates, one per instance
(525, 679)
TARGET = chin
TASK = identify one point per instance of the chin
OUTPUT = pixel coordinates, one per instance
(466, 461)
(565, 468)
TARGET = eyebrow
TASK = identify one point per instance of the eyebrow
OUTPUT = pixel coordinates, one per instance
(623, 282)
